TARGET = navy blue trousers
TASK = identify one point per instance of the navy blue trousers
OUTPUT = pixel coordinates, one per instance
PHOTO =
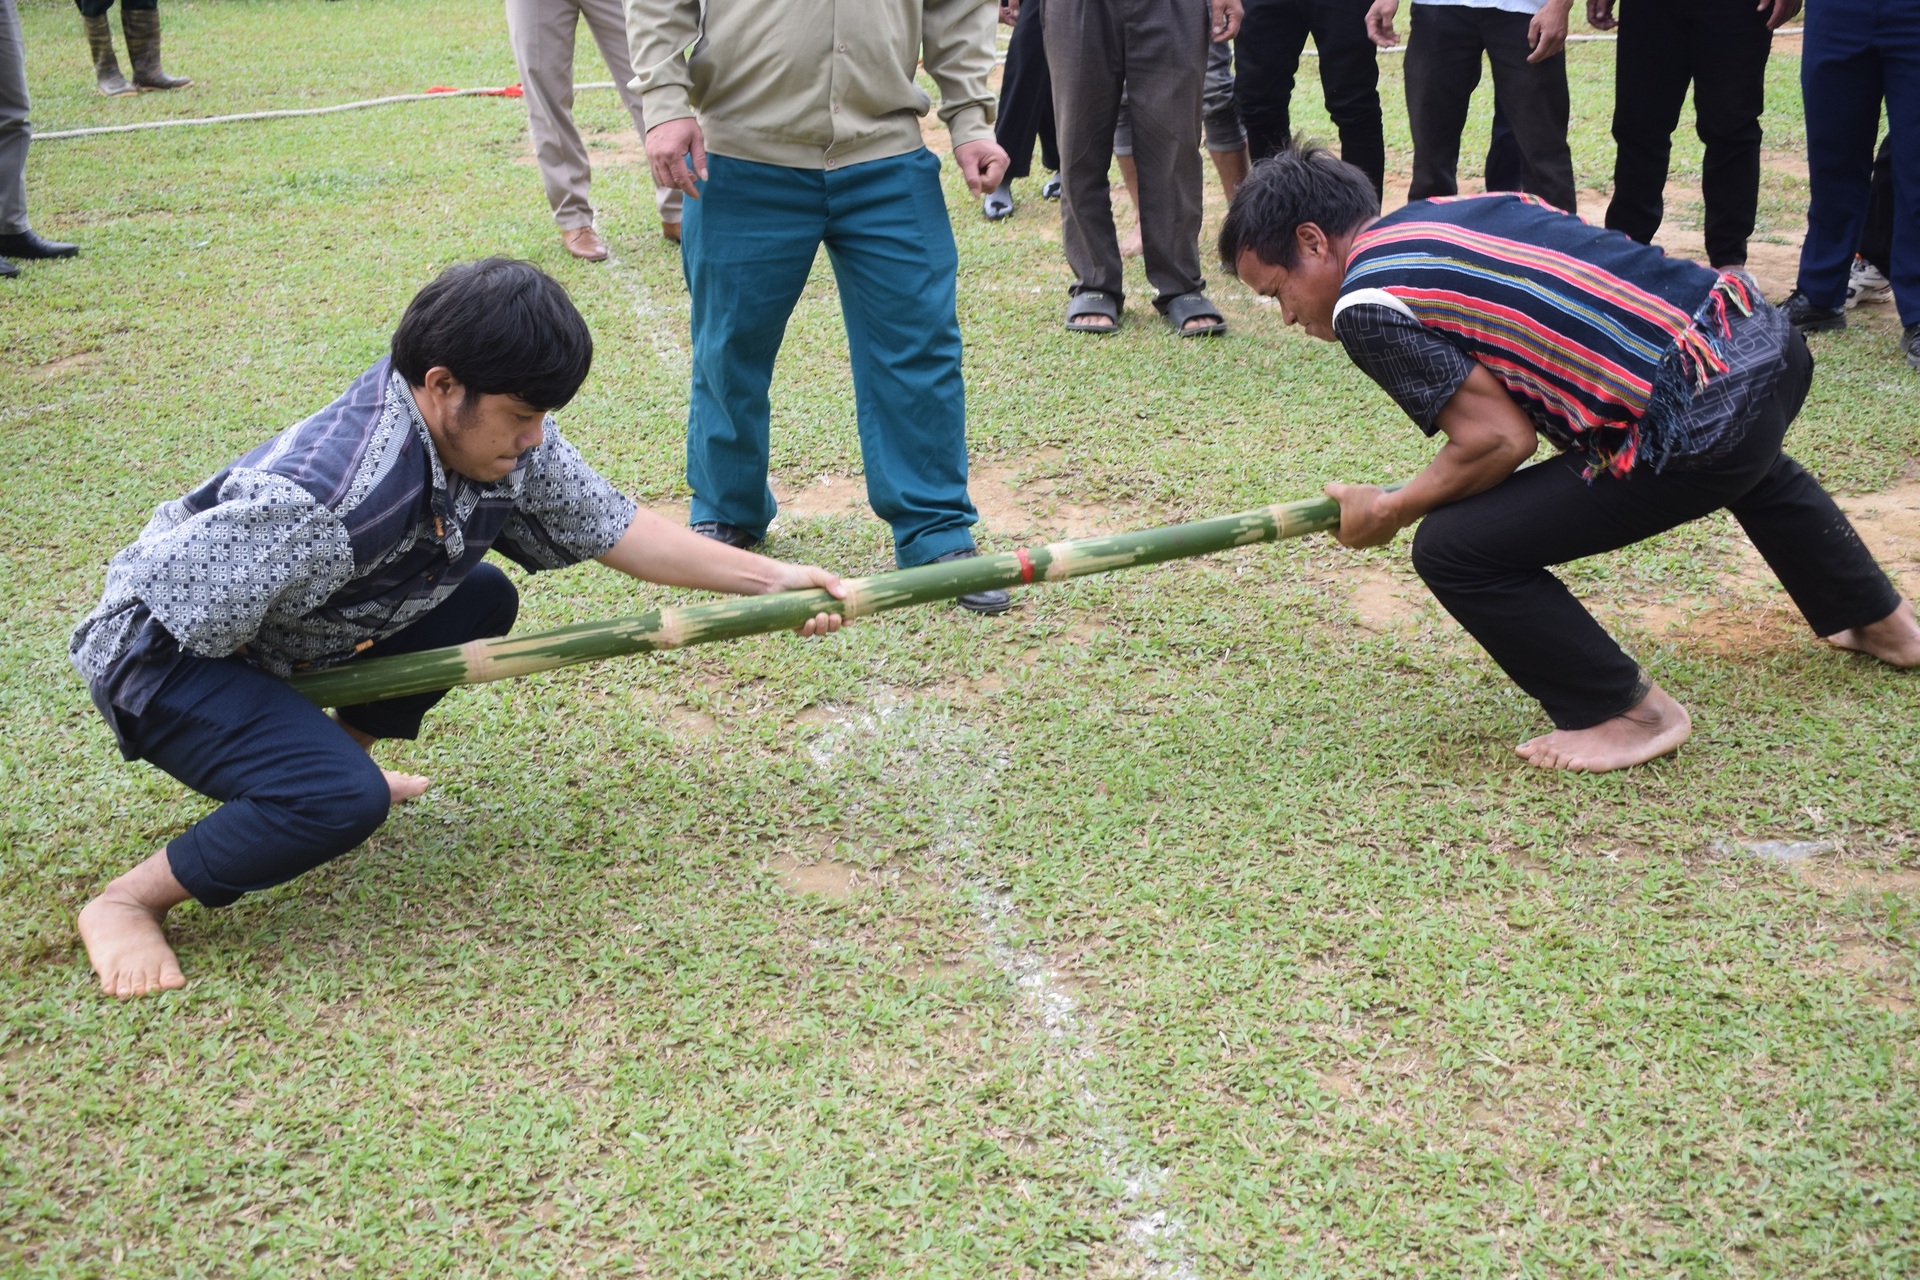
(294, 789)
(1854, 54)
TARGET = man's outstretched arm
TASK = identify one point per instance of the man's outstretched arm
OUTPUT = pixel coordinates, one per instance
(654, 549)
(1488, 437)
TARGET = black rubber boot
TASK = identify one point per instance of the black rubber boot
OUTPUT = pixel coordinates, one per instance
(106, 67)
(143, 50)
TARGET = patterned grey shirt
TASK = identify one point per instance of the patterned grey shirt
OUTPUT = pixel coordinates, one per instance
(335, 534)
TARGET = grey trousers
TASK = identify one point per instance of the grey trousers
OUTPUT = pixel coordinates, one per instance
(542, 34)
(1156, 50)
(15, 131)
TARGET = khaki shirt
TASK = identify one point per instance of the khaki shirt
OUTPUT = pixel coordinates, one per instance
(813, 84)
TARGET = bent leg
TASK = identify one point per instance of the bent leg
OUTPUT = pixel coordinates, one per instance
(891, 242)
(480, 608)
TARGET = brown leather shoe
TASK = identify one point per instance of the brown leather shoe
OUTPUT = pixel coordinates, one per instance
(585, 243)
(671, 230)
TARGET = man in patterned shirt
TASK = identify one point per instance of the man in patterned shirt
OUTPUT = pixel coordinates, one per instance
(1666, 387)
(360, 531)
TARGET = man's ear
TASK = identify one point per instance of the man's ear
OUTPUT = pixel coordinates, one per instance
(1311, 240)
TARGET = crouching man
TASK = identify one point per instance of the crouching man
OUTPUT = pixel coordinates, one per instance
(1666, 387)
(358, 533)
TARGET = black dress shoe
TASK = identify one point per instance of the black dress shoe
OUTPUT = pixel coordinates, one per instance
(731, 534)
(31, 244)
(8, 270)
(985, 602)
(1807, 318)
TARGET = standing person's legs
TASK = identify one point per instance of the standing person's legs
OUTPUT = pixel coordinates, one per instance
(1350, 80)
(1876, 234)
(1653, 62)
(1900, 54)
(750, 240)
(541, 33)
(1167, 43)
(1087, 59)
(607, 20)
(1729, 44)
(1535, 96)
(891, 242)
(1840, 79)
(16, 132)
(1026, 93)
(1504, 170)
(1267, 58)
(1442, 70)
(1220, 127)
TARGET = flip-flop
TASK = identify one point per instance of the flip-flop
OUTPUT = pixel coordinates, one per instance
(998, 204)
(1050, 190)
(1092, 302)
(1194, 306)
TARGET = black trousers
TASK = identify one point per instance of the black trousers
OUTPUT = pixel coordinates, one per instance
(1485, 557)
(1876, 235)
(94, 8)
(1267, 58)
(1443, 69)
(1720, 47)
(295, 791)
(1026, 98)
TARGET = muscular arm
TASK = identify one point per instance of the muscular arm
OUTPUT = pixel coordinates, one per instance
(1487, 438)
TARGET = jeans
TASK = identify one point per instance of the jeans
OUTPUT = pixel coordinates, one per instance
(1272, 35)
(1444, 49)
(1485, 557)
(295, 790)
(1720, 47)
(748, 246)
(1855, 53)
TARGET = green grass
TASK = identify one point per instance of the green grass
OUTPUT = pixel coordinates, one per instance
(1377, 999)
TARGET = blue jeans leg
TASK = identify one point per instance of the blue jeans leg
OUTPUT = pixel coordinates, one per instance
(1840, 79)
(747, 245)
(891, 241)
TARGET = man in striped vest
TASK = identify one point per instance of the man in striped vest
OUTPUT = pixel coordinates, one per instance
(1666, 388)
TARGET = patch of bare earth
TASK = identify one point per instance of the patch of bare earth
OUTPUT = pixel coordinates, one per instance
(1382, 602)
(67, 364)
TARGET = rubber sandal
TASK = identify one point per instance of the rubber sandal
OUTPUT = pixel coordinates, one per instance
(1092, 302)
(998, 204)
(1194, 306)
(1050, 190)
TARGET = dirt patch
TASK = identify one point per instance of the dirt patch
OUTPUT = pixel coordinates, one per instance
(684, 722)
(824, 495)
(834, 881)
(1383, 602)
(603, 150)
(1841, 880)
(68, 364)
(1889, 523)
(1339, 1084)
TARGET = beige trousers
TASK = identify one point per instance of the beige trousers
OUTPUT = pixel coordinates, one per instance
(542, 34)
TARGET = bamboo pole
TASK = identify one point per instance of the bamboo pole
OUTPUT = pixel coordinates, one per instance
(479, 661)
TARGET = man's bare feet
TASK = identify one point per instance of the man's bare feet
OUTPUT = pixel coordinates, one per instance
(400, 786)
(1131, 245)
(121, 931)
(1654, 727)
(1895, 639)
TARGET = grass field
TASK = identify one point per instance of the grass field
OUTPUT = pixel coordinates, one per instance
(1198, 922)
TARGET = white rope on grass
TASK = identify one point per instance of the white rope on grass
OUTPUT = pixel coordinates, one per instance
(497, 92)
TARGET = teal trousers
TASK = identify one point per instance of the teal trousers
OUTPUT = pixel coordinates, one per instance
(747, 246)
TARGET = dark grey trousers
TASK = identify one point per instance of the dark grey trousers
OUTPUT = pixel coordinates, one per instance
(1443, 69)
(1156, 50)
(15, 132)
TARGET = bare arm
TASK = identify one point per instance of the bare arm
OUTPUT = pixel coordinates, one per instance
(657, 550)
(1488, 437)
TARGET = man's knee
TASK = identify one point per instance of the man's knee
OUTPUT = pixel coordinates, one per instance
(347, 807)
(1437, 546)
(496, 600)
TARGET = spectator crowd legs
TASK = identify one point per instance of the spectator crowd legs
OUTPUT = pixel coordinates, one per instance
(1267, 60)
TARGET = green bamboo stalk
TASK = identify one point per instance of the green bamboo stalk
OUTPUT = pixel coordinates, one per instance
(479, 661)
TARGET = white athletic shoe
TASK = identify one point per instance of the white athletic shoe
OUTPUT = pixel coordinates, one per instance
(1865, 285)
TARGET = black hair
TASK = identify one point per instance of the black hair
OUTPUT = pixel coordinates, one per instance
(1304, 183)
(503, 327)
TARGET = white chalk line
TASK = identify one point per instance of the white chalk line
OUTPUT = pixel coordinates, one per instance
(1146, 1222)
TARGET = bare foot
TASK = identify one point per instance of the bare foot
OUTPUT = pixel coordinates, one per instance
(404, 786)
(122, 934)
(1895, 639)
(400, 786)
(1131, 245)
(1654, 727)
